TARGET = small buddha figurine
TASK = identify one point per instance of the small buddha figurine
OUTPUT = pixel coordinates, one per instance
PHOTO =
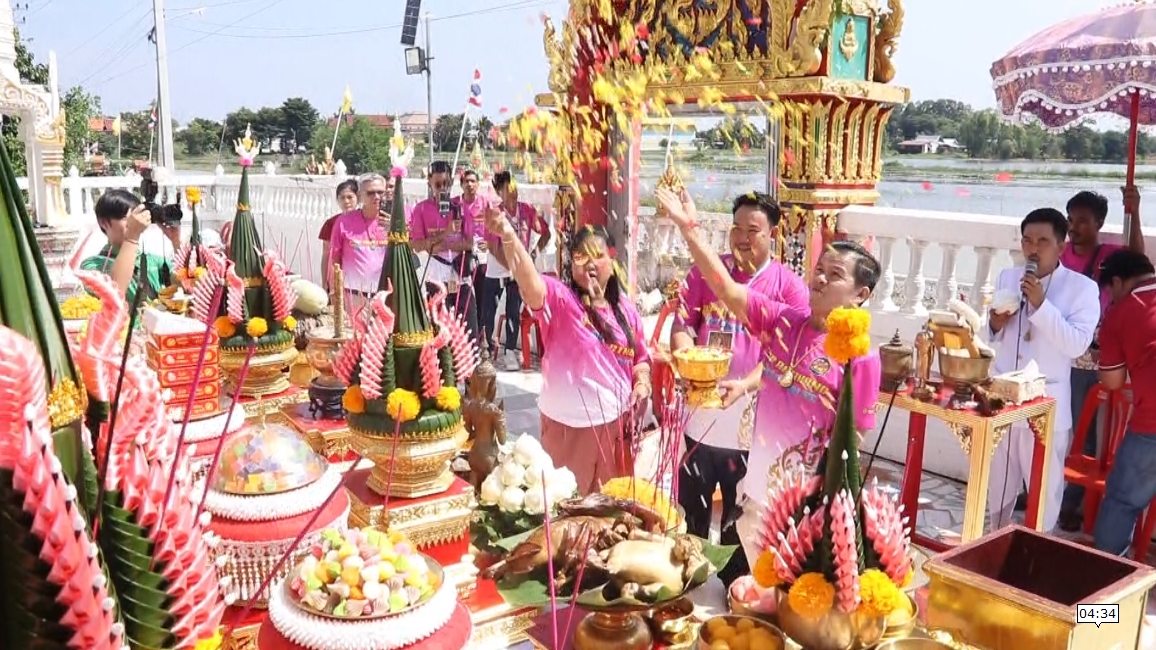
(485, 420)
(924, 345)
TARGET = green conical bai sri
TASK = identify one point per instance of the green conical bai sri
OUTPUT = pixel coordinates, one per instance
(412, 330)
(842, 471)
(28, 306)
(244, 249)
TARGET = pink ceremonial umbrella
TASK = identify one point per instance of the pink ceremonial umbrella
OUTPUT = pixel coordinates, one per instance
(1104, 62)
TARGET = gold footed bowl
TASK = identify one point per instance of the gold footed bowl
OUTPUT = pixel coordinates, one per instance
(835, 630)
(266, 374)
(702, 368)
(421, 464)
(618, 629)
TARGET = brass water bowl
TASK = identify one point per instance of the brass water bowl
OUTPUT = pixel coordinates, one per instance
(964, 373)
(901, 623)
(835, 630)
(322, 349)
(702, 368)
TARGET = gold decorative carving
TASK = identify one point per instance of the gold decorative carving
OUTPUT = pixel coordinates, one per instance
(413, 339)
(998, 433)
(259, 407)
(849, 44)
(962, 433)
(402, 238)
(428, 523)
(503, 632)
(66, 403)
(1039, 425)
(242, 638)
(806, 52)
(887, 41)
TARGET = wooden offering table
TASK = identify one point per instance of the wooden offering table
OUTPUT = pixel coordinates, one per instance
(979, 435)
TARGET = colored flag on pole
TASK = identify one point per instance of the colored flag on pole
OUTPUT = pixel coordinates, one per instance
(152, 118)
(347, 101)
(116, 126)
(476, 89)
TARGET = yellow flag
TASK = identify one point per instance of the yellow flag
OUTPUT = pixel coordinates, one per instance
(347, 101)
(116, 126)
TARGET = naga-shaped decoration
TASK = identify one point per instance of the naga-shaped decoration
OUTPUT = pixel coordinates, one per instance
(557, 57)
(887, 41)
(806, 52)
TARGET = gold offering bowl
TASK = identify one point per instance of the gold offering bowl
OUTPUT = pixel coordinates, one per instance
(673, 622)
(900, 623)
(621, 629)
(964, 373)
(703, 367)
(420, 463)
(705, 642)
(266, 374)
(835, 630)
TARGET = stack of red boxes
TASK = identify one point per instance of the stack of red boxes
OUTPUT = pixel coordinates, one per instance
(174, 347)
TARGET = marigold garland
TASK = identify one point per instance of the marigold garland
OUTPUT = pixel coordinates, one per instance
(290, 323)
(878, 595)
(402, 405)
(811, 596)
(764, 571)
(225, 327)
(193, 196)
(212, 643)
(848, 334)
(198, 272)
(449, 399)
(352, 400)
(256, 327)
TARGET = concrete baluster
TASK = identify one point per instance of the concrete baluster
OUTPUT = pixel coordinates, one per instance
(883, 297)
(916, 280)
(73, 193)
(948, 287)
(982, 289)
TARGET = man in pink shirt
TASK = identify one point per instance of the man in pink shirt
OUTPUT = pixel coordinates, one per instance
(717, 439)
(799, 388)
(472, 207)
(439, 228)
(1087, 212)
(360, 239)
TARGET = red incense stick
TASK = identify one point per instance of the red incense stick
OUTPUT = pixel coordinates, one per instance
(228, 419)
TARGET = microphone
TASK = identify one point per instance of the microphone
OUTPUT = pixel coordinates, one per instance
(1031, 268)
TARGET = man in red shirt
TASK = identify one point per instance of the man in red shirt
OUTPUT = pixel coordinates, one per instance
(1128, 348)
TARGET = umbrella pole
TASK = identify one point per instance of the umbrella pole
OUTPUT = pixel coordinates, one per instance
(1133, 134)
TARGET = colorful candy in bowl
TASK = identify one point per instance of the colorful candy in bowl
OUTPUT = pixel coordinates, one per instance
(363, 574)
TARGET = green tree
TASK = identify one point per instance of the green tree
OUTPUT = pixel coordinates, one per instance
(298, 120)
(980, 133)
(1082, 143)
(201, 136)
(78, 107)
(447, 129)
(268, 124)
(362, 146)
(236, 122)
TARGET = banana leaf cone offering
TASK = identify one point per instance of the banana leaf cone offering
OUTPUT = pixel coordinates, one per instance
(258, 298)
(405, 363)
(28, 306)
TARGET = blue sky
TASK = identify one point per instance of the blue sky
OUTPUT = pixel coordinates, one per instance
(230, 53)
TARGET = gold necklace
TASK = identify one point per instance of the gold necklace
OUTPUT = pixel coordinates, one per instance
(787, 379)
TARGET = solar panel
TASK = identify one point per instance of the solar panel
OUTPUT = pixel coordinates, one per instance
(409, 22)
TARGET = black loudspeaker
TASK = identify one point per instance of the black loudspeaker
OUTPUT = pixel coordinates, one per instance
(409, 22)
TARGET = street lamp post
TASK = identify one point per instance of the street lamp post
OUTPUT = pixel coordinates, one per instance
(417, 62)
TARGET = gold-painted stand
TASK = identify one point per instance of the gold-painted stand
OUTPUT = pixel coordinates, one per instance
(420, 465)
(979, 436)
(266, 374)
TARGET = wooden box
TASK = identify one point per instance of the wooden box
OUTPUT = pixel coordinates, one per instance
(1018, 588)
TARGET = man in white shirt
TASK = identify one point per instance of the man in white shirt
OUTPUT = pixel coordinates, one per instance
(1056, 319)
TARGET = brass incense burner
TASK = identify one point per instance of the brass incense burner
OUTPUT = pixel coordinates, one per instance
(326, 390)
(898, 362)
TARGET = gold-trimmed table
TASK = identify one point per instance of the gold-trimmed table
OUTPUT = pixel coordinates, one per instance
(979, 435)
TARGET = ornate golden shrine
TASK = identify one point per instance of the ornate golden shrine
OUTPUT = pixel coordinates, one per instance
(821, 68)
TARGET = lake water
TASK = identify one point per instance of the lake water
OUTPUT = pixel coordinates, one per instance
(1012, 199)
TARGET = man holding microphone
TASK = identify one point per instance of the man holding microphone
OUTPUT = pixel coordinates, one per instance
(1052, 324)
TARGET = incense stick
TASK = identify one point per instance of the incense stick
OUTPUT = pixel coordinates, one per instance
(289, 552)
(392, 458)
(550, 563)
(228, 419)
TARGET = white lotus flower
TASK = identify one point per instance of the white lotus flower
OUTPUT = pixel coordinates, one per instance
(512, 499)
(526, 449)
(535, 502)
(538, 466)
(513, 474)
(561, 485)
(491, 490)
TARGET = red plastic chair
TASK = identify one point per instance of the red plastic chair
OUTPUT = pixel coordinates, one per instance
(1091, 471)
(661, 373)
(528, 326)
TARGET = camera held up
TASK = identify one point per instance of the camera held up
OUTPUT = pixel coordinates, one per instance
(161, 215)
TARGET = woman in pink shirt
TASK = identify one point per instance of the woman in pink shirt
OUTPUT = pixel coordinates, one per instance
(346, 202)
(595, 368)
